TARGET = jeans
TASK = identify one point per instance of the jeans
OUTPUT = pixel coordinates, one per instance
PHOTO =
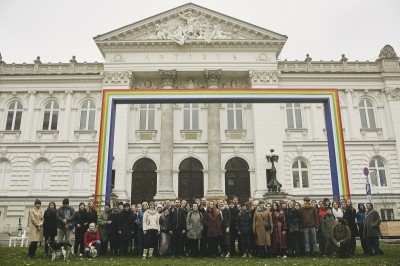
(97, 246)
(64, 233)
(310, 235)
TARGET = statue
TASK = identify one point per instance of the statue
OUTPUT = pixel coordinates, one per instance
(273, 185)
(191, 22)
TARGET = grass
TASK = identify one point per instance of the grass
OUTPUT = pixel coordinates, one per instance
(18, 256)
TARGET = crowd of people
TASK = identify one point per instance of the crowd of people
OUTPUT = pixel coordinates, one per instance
(210, 228)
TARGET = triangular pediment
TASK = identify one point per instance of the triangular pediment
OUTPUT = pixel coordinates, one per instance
(190, 23)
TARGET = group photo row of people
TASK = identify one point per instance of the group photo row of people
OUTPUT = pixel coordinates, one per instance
(209, 228)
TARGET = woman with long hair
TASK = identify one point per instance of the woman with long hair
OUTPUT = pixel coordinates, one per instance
(262, 228)
(91, 214)
(151, 229)
(213, 221)
(350, 216)
(35, 227)
(49, 226)
(81, 225)
(279, 242)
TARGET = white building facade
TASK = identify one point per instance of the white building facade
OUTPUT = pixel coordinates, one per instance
(50, 119)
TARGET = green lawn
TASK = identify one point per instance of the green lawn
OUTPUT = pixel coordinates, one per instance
(17, 256)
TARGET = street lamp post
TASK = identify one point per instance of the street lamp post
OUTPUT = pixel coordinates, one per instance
(273, 185)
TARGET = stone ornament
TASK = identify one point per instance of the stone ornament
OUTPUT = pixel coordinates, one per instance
(387, 52)
(393, 93)
(212, 77)
(263, 76)
(190, 26)
(168, 77)
(115, 78)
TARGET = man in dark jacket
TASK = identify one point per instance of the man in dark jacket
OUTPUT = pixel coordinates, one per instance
(372, 230)
(310, 222)
(177, 228)
(234, 234)
(125, 228)
(243, 228)
(65, 217)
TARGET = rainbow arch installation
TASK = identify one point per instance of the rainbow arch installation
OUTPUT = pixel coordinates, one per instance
(329, 98)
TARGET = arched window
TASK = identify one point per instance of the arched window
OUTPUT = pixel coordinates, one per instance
(293, 114)
(147, 116)
(88, 113)
(81, 176)
(50, 117)
(235, 115)
(14, 115)
(367, 114)
(300, 174)
(191, 116)
(377, 173)
(42, 174)
(5, 175)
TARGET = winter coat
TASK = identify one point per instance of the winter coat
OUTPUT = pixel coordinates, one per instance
(327, 224)
(139, 221)
(81, 220)
(337, 213)
(213, 221)
(151, 220)
(234, 213)
(35, 225)
(226, 222)
(350, 217)
(243, 222)
(279, 225)
(372, 222)
(92, 217)
(125, 225)
(91, 237)
(102, 225)
(50, 223)
(194, 224)
(341, 233)
(177, 219)
(309, 216)
(113, 216)
(164, 223)
(262, 237)
(294, 220)
(61, 213)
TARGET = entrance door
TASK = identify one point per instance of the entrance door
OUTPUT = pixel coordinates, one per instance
(144, 181)
(191, 180)
(237, 179)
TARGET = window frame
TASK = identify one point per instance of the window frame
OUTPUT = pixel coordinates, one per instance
(15, 111)
(300, 171)
(43, 171)
(84, 184)
(148, 111)
(366, 108)
(192, 121)
(234, 112)
(89, 110)
(52, 111)
(4, 178)
(292, 108)
(376, 168)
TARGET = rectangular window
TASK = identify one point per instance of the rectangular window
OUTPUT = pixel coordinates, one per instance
(17, 123)
(363, 117)
(304, 178)
(231, 121)
(371, 118)
(239, 118)
(290, 118)
(298, 119)
(142, 125)
(151, 119)
(46, 120)
(387, 214)
(83, 120)
(296, 179)
(54, 120)
(91, 120)
(186, 119)
(382, 178)
(10, 116)
(195, 119)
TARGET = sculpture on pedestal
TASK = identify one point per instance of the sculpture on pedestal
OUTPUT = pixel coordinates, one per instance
(273, 185)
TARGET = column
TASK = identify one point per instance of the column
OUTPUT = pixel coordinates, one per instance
(165, 189)
(214, 139)
(67, 115)
(388, 116)
(350, 113)
(30, 115)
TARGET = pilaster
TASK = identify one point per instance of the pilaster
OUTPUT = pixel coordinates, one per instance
(67, 115)
(350, 113)
(166, 181)
(29, 120)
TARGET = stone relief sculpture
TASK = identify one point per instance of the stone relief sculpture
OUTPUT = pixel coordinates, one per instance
(387, 52)
(189, 26)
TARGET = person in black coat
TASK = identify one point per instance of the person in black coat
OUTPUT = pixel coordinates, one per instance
(234, 210)
(91, 214)
(125, 228)
(81, 225)
(49, 226)
(226, 223)
(177, 228)
(243, 227)
(350, 216)
(113, 219)
(295, 235)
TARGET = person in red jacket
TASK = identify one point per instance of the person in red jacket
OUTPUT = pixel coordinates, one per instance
(92, 240)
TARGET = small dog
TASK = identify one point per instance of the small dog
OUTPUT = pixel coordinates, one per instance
(56, 249)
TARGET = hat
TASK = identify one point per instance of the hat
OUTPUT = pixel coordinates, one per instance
(65, 201)
(37, 201)
(306, 199)
(159, 206)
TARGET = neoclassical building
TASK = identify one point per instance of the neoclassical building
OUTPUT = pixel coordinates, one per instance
(50, 119)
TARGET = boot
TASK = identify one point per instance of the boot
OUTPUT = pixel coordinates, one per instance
(151, 252)
(144, 253)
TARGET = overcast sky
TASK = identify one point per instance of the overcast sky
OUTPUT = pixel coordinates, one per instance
(57, 29)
